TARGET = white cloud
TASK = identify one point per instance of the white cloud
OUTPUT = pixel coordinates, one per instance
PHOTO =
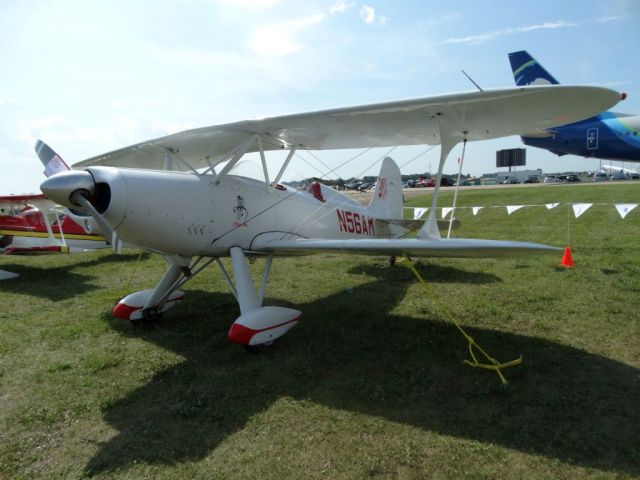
(278, 39)
(247, 4)
(546, 26)
(612, 18)
(368, 14)
(481, 37)
(340, 7)
(8, 102)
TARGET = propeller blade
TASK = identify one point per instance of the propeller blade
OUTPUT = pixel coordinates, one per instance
(110, 234)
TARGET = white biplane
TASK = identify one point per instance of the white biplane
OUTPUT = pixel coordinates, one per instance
(193, 218)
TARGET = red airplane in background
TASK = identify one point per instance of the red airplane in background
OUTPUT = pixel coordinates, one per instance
(32, 223)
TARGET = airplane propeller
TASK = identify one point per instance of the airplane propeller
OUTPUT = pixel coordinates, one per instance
(75, 189)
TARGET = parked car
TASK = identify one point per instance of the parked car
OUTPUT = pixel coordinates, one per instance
(551, 179)
(532, 179)
(600, 177)
(572, 178)
(618, 176)
(426, 182)
(409, 184)
(511, 181)
(364, 186)
(447, 182)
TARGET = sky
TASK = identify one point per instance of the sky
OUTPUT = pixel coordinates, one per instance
(90, 77)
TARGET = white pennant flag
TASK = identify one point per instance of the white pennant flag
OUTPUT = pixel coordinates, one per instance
(551, 205)
(580, 208)
(418, 212)
(476, 210)
(513, 208)
(445, 211)
(625, 208)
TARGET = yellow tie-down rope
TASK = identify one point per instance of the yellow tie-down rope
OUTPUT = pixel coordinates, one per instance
(494, 365)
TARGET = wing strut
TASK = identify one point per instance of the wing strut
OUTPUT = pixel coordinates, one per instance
(236, 155)
(284, 165)
(449, 138)
(168, 161)
(265, 170)
(44, 211)
(55, 212)
(455, 194)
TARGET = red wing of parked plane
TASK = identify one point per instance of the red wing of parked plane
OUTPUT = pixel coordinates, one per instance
(33, 224)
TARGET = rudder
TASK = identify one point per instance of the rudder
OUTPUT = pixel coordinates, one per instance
(387, 197)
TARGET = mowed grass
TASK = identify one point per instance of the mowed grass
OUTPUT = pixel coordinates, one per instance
(370, 384)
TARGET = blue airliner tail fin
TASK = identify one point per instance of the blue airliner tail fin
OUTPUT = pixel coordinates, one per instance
(527, 70)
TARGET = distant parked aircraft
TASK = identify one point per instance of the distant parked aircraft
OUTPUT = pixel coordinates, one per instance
(608, 135)
(31, 224)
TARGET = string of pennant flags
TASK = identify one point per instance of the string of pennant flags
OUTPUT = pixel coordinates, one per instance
(578, 208)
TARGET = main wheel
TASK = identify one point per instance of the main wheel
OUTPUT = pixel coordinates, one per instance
(149, 320)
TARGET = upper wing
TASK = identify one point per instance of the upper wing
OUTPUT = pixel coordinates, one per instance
(13, 204)
(22, 198)
(480, 115)
(454, 247)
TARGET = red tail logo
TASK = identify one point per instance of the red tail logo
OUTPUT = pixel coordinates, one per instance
(382, 188)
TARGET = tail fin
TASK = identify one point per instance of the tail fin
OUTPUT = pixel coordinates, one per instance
(53, 163)
(527, 70)
(387, 197)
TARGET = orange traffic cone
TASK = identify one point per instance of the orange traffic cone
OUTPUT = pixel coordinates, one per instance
(567, 259)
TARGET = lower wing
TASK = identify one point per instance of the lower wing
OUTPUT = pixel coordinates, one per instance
(455, 247)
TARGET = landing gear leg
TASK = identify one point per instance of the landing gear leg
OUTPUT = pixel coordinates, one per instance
(257, 326)
(148, 306)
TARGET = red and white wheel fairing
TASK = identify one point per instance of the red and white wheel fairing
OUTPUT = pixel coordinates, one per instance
(263, 325)
(130, 307)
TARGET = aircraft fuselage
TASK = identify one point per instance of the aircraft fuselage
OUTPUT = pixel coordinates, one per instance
(607, 136)
(187, 214)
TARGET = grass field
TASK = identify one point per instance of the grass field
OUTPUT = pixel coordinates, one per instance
(369, 385)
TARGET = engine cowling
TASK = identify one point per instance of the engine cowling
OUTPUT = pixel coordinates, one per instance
(263, 325)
